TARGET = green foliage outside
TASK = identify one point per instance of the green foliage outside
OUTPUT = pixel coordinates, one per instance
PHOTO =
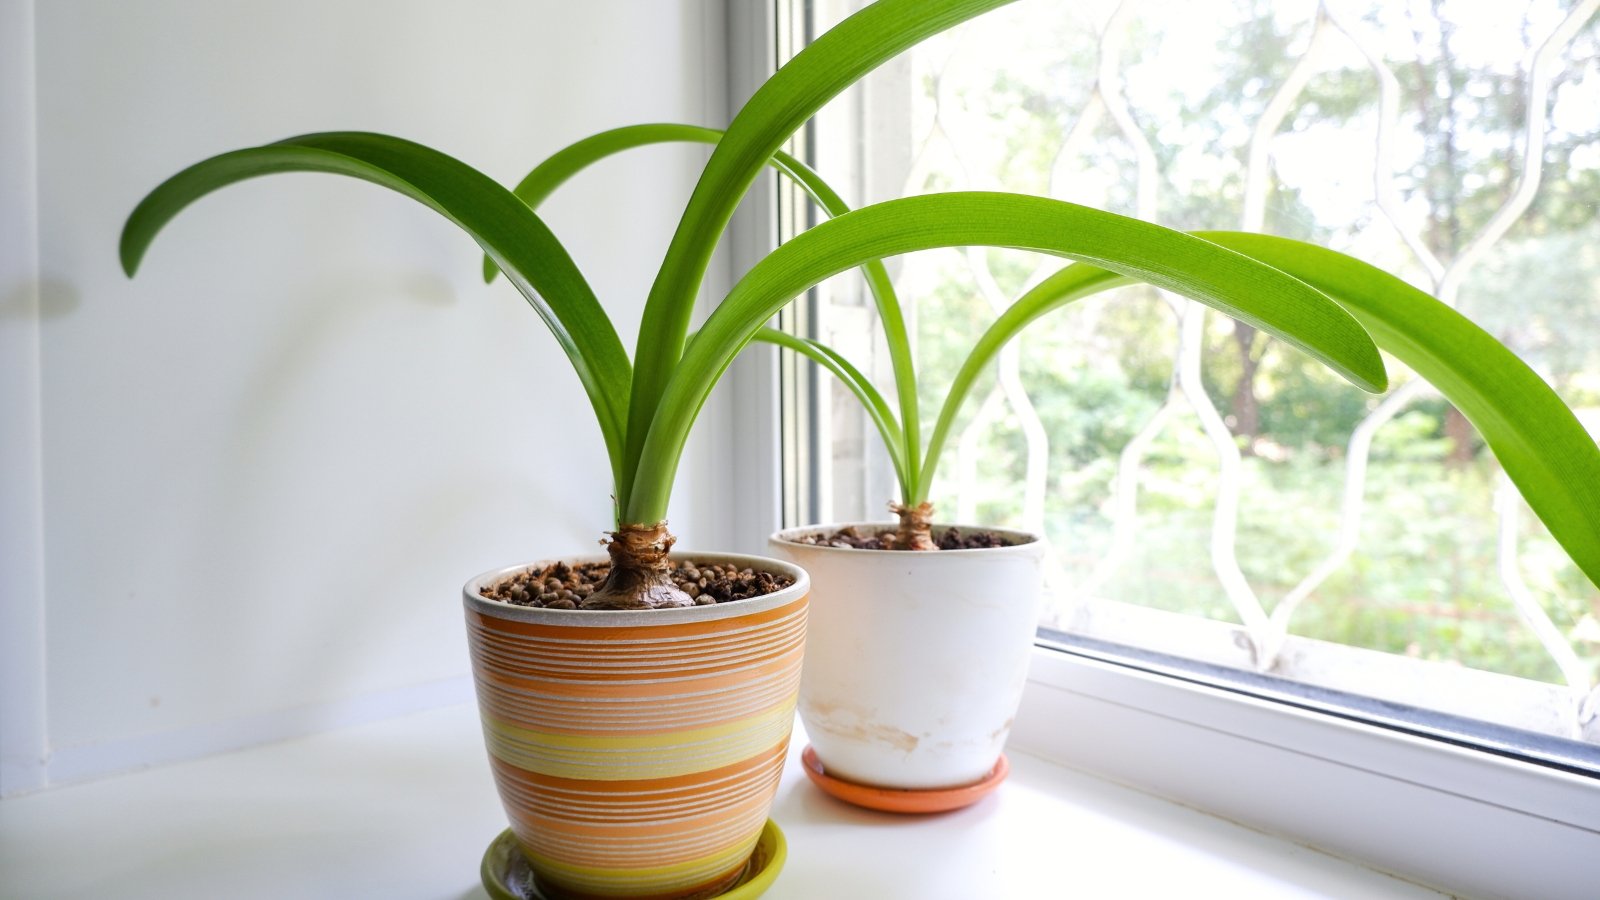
(1424, 579)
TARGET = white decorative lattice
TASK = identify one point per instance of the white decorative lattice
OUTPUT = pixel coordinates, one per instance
(946, 150)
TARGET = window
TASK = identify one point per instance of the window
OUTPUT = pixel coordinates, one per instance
(1217, 505)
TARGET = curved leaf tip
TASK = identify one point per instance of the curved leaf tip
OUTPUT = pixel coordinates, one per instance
(137, 233)
(127, 255)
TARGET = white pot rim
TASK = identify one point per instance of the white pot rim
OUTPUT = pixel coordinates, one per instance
(1026, 542)
(473, 599)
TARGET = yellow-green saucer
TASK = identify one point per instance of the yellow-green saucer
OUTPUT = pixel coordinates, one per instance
(507, 876)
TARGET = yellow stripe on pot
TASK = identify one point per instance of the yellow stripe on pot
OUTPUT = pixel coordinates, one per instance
(624, 757)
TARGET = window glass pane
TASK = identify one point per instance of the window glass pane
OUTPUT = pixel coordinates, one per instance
(1206, 490)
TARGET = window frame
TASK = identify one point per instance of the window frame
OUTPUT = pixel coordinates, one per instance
(1450, 816)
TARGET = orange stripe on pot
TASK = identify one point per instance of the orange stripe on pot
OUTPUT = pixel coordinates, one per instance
(626, 688)
(584, 634)
(592, 717)
(516, 649)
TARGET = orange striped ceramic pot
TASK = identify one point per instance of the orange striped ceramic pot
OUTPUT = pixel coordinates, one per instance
(637, 753)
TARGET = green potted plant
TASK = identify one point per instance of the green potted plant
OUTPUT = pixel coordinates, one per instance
(882, 734)
(885, 626)
(629, 765)
(875, 647)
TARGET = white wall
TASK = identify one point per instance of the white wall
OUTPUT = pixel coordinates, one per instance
(270, 461)
(22, 725)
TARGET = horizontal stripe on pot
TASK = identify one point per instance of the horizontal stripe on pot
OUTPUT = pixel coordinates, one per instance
(510, 658)
(661, 755)
(595, 716)
(546, 797)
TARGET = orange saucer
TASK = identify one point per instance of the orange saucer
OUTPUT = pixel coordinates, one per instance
(903, 800)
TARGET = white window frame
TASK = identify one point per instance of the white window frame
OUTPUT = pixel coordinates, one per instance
(1442, 813)
(1453, 817)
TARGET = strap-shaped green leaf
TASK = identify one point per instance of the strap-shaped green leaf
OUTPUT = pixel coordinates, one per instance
(560, 166)
(832, 62)
(1233, 283)
(876, 407)
(1072, 283)
(506, 229)
(1544, 448)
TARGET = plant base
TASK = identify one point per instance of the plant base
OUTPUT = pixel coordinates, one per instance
(902, 800)
(507, 876)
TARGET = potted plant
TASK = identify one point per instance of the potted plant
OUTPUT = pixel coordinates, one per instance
(914, 667)
(879, 705)
(629, 765)
(890, 728)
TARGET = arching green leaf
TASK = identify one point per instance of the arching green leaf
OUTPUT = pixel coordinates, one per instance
(540, 183)
(833, 62)
(503, 226)
(1071, 283)
(1544, 448)
(876, 407)
(1235, 284)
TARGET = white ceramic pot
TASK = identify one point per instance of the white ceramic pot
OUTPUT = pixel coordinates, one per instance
(915, 661)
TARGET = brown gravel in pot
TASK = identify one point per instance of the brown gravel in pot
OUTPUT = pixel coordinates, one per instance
(562, 586)
(853, 538)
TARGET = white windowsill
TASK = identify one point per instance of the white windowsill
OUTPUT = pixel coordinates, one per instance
(1465, 820)
(403, 808)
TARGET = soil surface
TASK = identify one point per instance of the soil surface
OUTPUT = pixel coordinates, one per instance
(560, 586)
(947, 538)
